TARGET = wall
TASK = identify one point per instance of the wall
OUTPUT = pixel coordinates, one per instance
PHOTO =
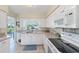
(71, 30)
(10, 13)
(4, 8)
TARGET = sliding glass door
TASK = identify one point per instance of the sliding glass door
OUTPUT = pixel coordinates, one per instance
(11, 27)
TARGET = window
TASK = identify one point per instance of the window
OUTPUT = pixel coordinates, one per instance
(30, 25)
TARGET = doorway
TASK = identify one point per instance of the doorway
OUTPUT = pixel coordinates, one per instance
(11, 27)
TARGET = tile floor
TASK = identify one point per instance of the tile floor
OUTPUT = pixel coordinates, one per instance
(19, 49)
(10, 46)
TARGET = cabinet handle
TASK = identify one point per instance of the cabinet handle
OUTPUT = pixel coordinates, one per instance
(70, 13)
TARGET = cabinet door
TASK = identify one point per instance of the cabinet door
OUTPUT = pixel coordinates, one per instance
(60, 10)
(4, 46)
(18, 36)
(69, 18)
(30, 39)
(59, 21)
(45, 45)
(67, 7)
(3, 19)
(37, 38)
(26, 39)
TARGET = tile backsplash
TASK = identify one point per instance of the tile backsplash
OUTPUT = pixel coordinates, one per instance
(71, 30)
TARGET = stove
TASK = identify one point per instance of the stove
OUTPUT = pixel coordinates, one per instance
(64, 47)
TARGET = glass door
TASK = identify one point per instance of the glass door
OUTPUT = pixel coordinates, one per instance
(11, 27)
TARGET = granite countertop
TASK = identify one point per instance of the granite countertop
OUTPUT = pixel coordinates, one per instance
(72, 38)
(4, 38)
(30, 32)
(46, 33)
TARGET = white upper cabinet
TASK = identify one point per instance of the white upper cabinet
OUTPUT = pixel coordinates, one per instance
(65, 16)
(49, 22)
(69, 16)
(59, 20)
(3, 19)
(72, 17)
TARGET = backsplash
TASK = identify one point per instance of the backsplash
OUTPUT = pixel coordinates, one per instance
(71, 30)
(55, 31)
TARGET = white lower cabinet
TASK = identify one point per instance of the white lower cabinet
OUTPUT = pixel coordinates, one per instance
(25, 39)
(31, 39)
(45, 46)
(4, 46)
(18, 36)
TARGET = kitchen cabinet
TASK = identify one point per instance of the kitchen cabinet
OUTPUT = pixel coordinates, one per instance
(18, 37)
(59, 10)
(31, 39)
(4, 46)
(67, 7)
(72, 17)
(25, 39)
(68, 18)
(45, 45)
(3, 19)
(49, 22)
(65, 16)
(59, 20)
(56, 19)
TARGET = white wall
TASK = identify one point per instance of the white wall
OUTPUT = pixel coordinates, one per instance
(12, 14)
(4, 8)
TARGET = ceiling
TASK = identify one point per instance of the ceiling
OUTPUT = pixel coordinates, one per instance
(32, 10)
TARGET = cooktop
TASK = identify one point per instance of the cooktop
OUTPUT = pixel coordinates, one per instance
(64, 47)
